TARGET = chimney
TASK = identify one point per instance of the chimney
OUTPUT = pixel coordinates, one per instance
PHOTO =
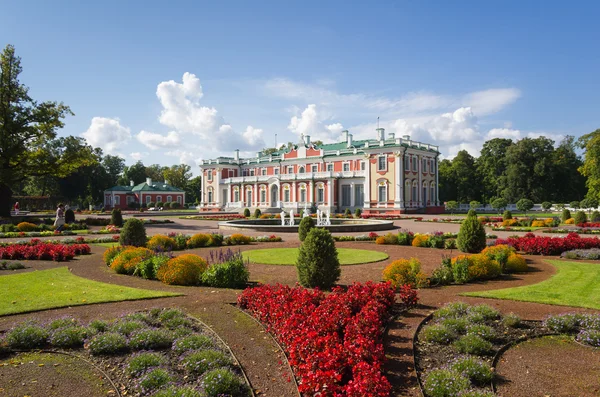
(349, 140)
(131, 183)
(307, 140)
(406, 137)
(392, 135)
(345, 135)
(149, 181)
(381, 134)
(237, 154)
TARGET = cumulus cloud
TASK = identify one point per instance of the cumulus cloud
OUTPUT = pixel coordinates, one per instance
(311, 122)
(138, 155)
(156, 141)
(183, 112)
(503, 133)
(491, 101)
(107, 134)
(185, 157)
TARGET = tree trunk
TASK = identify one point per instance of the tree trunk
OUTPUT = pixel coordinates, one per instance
(5, 201)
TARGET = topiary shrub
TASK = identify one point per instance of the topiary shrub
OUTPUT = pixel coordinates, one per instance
(128, 259)
(566, 214)
(160, 242)
(306, 224)
(257, 213)
(116, 218)
(515, 264)
(405, 271)
(507, 215)
(199, 240)
(151, 204)
(479, 267)
(175, 205)
(246, 212)
(318, 264)
(26, 227)
(182, 270)
(595, 217)
(580, 217)
(357, 213)
(347, 212)
(471, 237)
(160, 204)
(69, 216)
(133, 233)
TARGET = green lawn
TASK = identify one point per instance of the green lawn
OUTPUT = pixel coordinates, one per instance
(48, 289)
(288, 256)
(574, 284)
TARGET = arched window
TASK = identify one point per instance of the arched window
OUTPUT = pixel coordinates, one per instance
(425, 195)
(415, 196)
(286, 193)
(301, 170)
(263, 194)
(303, 193)
(169, 199)
(236, 194)
(382, 191)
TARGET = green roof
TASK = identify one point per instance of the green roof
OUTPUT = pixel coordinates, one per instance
(144, 187)
(119, 188)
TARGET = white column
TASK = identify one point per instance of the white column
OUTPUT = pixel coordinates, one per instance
(293, 195)
(399, 199)
(229, 200)
(330, 194)
(256, 197)
(217, 182)
(311, 192)
(367, 183)
(202, 188)
(242, 195)
(420, 186)
(351, 194)
(437, 187)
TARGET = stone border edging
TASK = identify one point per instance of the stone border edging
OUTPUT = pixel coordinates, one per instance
(234, 305)
(414, 342)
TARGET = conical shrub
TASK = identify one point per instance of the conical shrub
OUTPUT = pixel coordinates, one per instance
(306, 224)
(471, 237)
(116, 218)
(133, 233)
(318, 264)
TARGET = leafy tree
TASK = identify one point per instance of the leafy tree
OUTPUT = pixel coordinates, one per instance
(135, 173)
(566, 182)
(178, 175)
(524, 205)
(491, 164)
(574, 204)
(546, 205)
(589, 203)
(28, 144)
(156, 172)
(192, 190)
(452, 206)
(447, 186)
(499, 204)
(471, 237)
(474, 204)
(318, 264)
(590, 143)
(465, 177)
(113, 165)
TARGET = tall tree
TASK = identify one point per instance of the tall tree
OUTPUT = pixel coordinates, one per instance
(447, 188)
(465, 177)
(135, 173)
(27, 134)
(491, 165)
(568, 183)
(192, 190)
(113, 165)
(590, 143)
(156, 172)
(178, 175)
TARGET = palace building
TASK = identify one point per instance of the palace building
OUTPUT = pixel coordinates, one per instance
(144, 193)
(386, 175)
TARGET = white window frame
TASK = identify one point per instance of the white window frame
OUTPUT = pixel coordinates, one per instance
(414, 161)
(276, 171)
(264, 171)
(179, 199)
(346, 164)
(148, 199)
(406, 162)
(290, 169)
(159, 198)
(236, 196)
(424, 165)
(321, 192)
(117, 200)
(301, 169)
(252, 172)
(383, 156)
(314, 168)
(210, 196)
(330, 167)
(263, 195)
(432, 166)
(286, 194)
(363, 165)
(169, 199)
(303, 192)
(379, 187)
(209, 176)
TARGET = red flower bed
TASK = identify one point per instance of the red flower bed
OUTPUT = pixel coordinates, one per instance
(390, 217)
(589, 224)
(36, 250)
(538, 245)
(333, 342)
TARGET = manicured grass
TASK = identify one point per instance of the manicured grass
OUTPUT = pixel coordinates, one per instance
(288, 256)
(574, 284)
(48, 289)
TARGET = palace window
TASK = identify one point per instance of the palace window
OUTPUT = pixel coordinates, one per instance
(315, 168)
(118, 200)
(169, 199)
(179, 199)
(359, 195)
(346, 192)
(406, 163)
(381, 163)
(302, 194)
(382, 192)
(148, 199)
(414, 163)
(286, 194)
(158, 198)
(424, 165)
(432, 195)
(276, 171)
(263, 195)
(264, 171)
(252, 172)
(290, 169)
(432, 168)
(425, 193)
(320, 194)
(209, 175)
(346, 167)
(362, 165)
(301, 170)
(210, 196)
(236, 196)
(414, 192)
(330, 167)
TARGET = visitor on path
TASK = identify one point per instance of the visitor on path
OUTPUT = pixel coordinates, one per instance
(60, 218)
(16, 208)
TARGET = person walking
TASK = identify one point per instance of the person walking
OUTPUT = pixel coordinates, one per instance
(59, 223)
(16, 208)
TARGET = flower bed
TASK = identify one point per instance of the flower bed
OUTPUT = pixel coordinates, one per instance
(150, 221)
(37, 250)
(537, 245)
(333, 342)
(589, 224)
(589, 254)
(578, 231)
(390, 217)
(214, 217)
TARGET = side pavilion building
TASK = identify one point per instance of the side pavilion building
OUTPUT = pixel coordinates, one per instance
(385, 175)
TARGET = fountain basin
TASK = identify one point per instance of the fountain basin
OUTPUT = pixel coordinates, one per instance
(337, 225)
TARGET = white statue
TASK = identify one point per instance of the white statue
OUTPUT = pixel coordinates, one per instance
(291, 222)
(327, 221)
(282, 215)
(319, 219)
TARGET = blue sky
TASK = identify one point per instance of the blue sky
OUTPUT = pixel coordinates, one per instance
(447, 73)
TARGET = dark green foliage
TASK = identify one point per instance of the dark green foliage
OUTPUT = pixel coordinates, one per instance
(574, 204)
(443, 274)
(318, 264)
(499, 204)
(524, 205)
(450, 244)
(566, 214)
(151, 204)
(511, 320)
(140, 363)
(26, 336)
(151, 339)
(223, 382)
(192, 342)
(473, 344)
(73, 336)
(507, 215)
(546, 205)
(471, 237)
(460, 271)
(133, 233)
(197, 363)
(160, 204)
(230, 274)
(154, 379)
(436, 242)
(246, 212)
(107, 343)
(404, 238)
(595, 217)
(347, 212)
(127, 327)
(357, 213)
(257, 213)
(69, 216)
(116, 218)
(580, 217)
(478, 371)
(306, 224)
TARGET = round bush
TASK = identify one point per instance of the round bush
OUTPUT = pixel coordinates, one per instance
(568, 323)
(116, 218)
(471, 237)
(199, 240)
(511, 320)
(306, 224)
(474, 369)
(151, 204)
(26, 227)
(151, 339)
(192, 342)
(317, 263)
(176, 391)
(595, 217)
(580, 217)
(455, 325)
(175, 205)
(420, 240)
(238, 239)
(445, 383)
(566, 214)
(133, 233)
(231, 274)
(69, 216)
(405, 271)
(154, 379)
(506, 215)
(148, 268)
(473, 344)
(160, 204)
(438, 333)
(160, 242)
(257, 213)
(246, 212)
(516, 264)
(69, 337)
(454, 309)
(127, 260)
(97, 326)
(482, 267)
(499, 253)
(141, 362)
(197, 363)
(223, 382)
(107, 343)
(182, 270)
(26, 336)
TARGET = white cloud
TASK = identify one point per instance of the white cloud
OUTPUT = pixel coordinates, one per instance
(138, 155)
(185, 157)
(155, 141)
(492, 100)
(503, 133)
(183, 112)
(107, 134)
(311, 122)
